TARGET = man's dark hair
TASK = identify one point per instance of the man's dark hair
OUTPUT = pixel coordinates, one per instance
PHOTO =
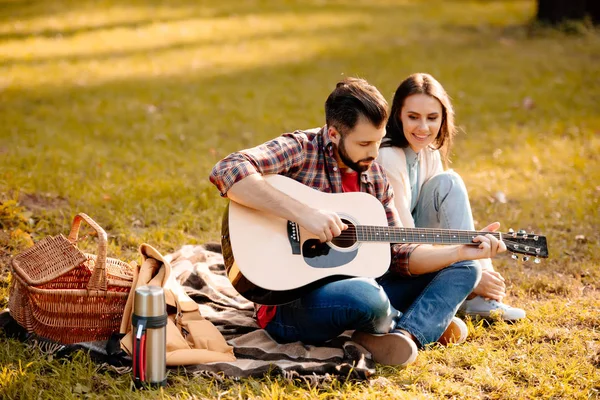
(352, 98)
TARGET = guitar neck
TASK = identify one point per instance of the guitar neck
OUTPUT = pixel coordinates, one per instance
(366, 233)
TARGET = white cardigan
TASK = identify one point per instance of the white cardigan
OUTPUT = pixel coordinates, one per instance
(393, 160)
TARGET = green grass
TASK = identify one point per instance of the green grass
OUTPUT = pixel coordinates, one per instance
(120, 109)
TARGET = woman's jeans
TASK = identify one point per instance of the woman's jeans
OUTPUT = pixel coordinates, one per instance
(444, 204)
(422, 305)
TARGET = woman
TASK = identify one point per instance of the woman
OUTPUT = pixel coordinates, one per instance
(419, 136)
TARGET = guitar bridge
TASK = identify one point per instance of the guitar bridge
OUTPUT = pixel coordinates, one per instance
(294, 236)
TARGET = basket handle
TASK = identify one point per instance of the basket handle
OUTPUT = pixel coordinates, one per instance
(98, 279)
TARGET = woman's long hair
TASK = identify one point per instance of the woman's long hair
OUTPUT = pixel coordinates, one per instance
(421, 83)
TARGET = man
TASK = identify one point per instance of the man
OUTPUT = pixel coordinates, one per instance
(426, 283)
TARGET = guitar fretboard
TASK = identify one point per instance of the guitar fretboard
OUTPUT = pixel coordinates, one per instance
(365, 233)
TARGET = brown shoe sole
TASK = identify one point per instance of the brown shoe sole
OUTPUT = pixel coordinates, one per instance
(455, 333)
(389, 348)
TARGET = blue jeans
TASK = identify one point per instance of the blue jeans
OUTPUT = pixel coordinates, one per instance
(422, 305)
(444, 204)
(324, 313)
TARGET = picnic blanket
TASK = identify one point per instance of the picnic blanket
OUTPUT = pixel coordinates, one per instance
(200, 270)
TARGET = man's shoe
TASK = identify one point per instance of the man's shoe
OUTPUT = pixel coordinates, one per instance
(480, 307)
(455, 333)
(392, 348)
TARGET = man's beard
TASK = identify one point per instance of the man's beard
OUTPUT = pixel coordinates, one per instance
(354, 165)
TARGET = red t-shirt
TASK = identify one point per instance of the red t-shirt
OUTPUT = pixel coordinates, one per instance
(350, 183)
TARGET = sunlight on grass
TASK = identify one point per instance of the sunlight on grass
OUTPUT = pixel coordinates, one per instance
(161, 49)
(82, 17)
(538, 177)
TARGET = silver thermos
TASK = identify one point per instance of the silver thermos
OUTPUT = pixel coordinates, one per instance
(149, 322)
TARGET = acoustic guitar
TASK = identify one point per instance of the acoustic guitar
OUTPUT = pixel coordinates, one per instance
(272, 261)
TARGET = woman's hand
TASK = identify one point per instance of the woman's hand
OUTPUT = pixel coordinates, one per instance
(491, 285)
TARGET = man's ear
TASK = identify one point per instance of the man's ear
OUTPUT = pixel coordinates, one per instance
(334, 134)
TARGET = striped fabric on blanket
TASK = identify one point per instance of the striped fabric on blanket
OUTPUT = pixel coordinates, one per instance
(201, 272)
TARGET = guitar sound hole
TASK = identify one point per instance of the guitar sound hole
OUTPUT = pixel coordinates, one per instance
(347, 237)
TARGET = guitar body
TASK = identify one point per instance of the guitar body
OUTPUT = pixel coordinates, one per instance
(272, 261)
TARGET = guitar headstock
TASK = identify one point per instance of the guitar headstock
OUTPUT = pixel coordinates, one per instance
(528, 244)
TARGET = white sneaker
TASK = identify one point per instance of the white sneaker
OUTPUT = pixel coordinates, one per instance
(480, 307)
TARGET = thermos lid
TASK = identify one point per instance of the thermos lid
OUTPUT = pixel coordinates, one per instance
(149, 301)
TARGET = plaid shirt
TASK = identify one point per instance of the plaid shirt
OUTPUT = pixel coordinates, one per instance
(308, 157)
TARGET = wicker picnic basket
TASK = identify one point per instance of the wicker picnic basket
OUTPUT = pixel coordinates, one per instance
(62, 294)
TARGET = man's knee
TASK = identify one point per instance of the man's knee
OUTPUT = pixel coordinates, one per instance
(370, 296)
(474, 274)
(466, 272)
(373, 306)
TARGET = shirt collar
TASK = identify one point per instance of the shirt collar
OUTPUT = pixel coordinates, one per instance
(412, 158)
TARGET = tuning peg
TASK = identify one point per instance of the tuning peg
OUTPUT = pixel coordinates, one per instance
(537, 260)
(523, 232)
(525, 258)
(514, 256)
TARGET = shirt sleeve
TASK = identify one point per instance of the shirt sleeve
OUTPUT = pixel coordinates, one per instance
(400, 258)
(388, 204)
(278, 156)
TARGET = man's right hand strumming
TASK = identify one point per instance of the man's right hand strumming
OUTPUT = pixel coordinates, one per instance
(323, 223)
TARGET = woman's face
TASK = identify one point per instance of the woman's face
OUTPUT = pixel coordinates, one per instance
(421, 118)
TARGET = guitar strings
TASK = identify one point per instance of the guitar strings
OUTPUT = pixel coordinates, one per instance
(412, 231)
(531, 252)
(461, 235)
(350, 237)
(353, 239)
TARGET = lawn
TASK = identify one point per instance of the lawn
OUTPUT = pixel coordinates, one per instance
(120, 109)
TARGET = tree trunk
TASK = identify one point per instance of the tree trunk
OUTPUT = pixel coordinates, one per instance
(593, 9)
(557, 11)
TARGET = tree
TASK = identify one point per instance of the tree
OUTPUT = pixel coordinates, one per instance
(557, 11)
